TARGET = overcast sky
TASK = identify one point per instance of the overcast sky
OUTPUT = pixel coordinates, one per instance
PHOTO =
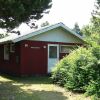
(68, 12)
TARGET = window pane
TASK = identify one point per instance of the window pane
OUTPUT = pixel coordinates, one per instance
(6, 52)
(65, 49)
(53, 52)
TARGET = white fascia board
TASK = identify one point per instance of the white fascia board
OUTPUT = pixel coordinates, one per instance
(72, 32)
(45, 30)
(36, 33)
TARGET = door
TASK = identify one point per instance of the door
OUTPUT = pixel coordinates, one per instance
(53, 56)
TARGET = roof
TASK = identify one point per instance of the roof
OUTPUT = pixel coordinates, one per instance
(40, 31)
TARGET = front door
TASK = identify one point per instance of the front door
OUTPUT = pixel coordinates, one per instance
(53, 56)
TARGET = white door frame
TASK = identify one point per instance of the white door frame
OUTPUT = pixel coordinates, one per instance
(57, 45)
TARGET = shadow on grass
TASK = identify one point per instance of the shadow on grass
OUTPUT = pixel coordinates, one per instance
(8, 91)
(29, 79)
(11, 90)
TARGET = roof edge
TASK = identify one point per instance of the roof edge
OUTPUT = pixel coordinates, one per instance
(45, 30)
(39, 31)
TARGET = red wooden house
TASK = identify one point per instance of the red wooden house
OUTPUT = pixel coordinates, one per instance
(37, 52)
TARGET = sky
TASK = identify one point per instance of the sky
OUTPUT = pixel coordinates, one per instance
(70, 11)
(67, 11)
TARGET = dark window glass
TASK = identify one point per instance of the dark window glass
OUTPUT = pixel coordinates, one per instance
(53, 52)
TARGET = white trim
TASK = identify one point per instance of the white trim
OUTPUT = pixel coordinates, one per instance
(45, 30)
(57, 45)
(40, 31)
(57, 49)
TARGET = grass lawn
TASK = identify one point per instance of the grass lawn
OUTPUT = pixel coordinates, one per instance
(34, 88)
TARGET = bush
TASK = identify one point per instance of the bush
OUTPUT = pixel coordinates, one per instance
(82, 70)
(79, 70)
(59, 74)
(94, 86)
(94, 89)
(96, 51)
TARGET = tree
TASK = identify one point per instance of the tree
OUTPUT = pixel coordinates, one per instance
(96, 12)
(77, 29)
(87, 30)
(46, 23)
(2, 35)
(92, 35)
(94, 26)
(96, 17)
(15, 12)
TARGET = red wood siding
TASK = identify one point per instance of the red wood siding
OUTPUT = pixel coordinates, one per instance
(34, 58)
(10, 66)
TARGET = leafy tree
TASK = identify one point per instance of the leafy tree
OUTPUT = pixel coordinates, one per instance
(94, 27)
(96, 12)
(87, 30)
(96, 18)
(15, 12)
(80, 70)
(92, 33)
(92, 30)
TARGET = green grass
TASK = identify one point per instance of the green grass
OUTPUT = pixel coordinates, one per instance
(34, 88)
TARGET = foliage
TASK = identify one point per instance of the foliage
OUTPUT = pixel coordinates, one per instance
(46, 23)
(77, 70)
(77, 29)
(95, 21)
(92, 28)
(93, 40)
(3, 35)
(59, 73)
(96, 51)
(83, 65)
(82, 70)
(96, 12)
(94, 89)
(87, 30)
(15, 12)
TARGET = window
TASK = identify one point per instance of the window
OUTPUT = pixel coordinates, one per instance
(6, 52)
(53, 52)
(12, 47)
(65, 49)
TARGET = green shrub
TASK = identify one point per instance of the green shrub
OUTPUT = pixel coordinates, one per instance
(94, 85)
(96, 51)
(79, 70)
(59, 74)
(94, 89)
(82, 70)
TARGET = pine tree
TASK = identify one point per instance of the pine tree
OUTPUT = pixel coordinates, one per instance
(15, 12)
(77, 29)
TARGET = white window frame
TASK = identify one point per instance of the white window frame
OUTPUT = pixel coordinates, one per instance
(6, 53)
(57, 49)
